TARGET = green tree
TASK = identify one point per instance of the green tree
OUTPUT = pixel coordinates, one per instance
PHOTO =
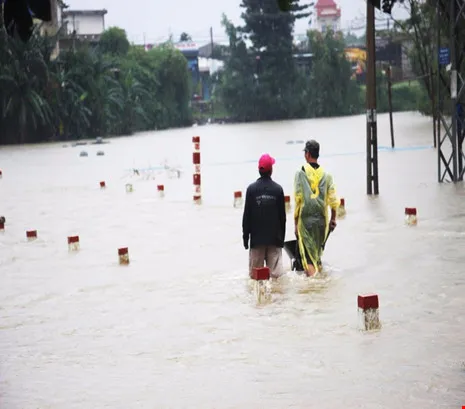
(266, 72)
(351, 40)
(421, 29)
(88, 93)
(114, 41)
(174, 85)
(331, 90)
(237, 80)
(184, 37)
(24, 79)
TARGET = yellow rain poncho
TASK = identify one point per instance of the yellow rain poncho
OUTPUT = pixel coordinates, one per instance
(314, 192)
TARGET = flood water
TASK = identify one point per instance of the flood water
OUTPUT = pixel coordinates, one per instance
(178, 327)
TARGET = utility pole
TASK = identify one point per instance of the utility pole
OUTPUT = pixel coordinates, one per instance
(372, 137)
(434, 102)
(453, 88)
(212, 108)
(211, 41)
(389, 79)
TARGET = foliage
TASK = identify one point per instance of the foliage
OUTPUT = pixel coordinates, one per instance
(260, 81)
(351, 40)
(421, 29)
(94, 91)
(114, 41)
(184, 37)
(331, 92)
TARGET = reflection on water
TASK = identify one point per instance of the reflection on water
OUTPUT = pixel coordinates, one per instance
(178, 327)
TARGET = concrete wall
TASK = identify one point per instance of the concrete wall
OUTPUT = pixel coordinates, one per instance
(85, 24)
(324, 23)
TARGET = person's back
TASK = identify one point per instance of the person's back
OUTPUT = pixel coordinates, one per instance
(314, 192)
(264, 220)
(263, 213)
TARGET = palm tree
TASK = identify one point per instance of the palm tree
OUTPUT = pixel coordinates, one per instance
(23, 79)
(135, 96)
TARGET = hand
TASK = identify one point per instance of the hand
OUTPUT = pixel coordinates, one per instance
(332, 225)
(246, 244)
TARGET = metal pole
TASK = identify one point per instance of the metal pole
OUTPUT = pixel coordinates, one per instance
(372, 142)
(433, 105)
(212, 109)
(438, 91)
(388, 72)
(453, 87)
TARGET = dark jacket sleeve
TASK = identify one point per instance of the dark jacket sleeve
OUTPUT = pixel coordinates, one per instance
(282, 214)
(246, 217)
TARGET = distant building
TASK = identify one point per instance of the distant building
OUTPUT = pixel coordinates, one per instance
(200, 73)
(50, 28)
(328, 16)
(82, 27)
(190, 50)
(84, 23)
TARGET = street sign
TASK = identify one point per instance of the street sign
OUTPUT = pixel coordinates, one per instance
(444, 57)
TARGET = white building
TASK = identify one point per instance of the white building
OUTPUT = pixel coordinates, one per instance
(328, 16)
(84, 22)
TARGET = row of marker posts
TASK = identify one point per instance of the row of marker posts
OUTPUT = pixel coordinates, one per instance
(130, 189)
(73, 241)
(74, 245)
(368, 305)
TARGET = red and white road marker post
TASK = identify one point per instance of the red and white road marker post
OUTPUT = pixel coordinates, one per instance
(73, 243)
(237, 199)
(161, 190)
(196, 161)
(287, 203)
(123, 255)
(368, 312)
(411, 216)
(262, 284)
(31, 235)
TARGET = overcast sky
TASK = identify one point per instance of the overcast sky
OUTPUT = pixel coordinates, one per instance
(156, 19)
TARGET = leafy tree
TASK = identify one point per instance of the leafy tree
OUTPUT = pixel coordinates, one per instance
(421, 28)
(173, 84)
(185, 37)
(23, 79)
(114, 41)
(237, 80)
(88, 93)
(332, 92)
(265, 75)
(352, 40)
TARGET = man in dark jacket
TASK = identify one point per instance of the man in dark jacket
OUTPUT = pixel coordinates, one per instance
(264, 220)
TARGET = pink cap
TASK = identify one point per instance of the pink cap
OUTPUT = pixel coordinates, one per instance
(266, 162)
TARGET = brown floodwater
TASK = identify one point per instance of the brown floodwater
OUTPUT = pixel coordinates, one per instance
(179, 327)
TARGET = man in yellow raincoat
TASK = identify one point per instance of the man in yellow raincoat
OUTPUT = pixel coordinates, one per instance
(314, 192)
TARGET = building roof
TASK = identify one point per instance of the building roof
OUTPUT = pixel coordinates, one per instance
(205, 51)
(327, 8)
(325, 4)
(101, 12)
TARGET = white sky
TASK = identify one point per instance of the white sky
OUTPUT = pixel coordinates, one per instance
(156, 19)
